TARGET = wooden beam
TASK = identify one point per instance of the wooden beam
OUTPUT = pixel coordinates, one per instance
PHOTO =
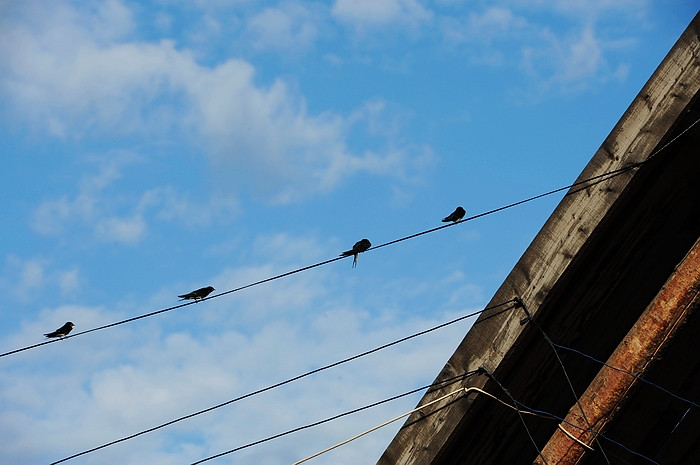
(639, 132)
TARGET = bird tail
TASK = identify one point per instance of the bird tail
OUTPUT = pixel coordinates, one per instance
(347, 253)
(445, 220)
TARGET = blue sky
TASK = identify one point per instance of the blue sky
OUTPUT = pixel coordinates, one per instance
(152, 148)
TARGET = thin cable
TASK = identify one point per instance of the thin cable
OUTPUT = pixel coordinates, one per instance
(298, 270)
(381, 425)
(466, 392)
(534, 443)
(639, 378)
(586, 430)
(335, 417)
(174, 307)
(287, 381)
(598, 178)
(566, 374)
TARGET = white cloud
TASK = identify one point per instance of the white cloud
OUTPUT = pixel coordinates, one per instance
(69, 80)
(69, 281)
(583, 56)
(373, 13)
(103, 208)
(569, 63)
(167, 204)
(568, 55)
(113, 383)
(26, 278)
(290, 26)
(31, 277)
(23, 277)
(596, 9)
(128, 230)
(90, 207)
(495, 23)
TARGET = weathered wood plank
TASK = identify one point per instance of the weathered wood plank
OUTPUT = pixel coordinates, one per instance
(639, 132)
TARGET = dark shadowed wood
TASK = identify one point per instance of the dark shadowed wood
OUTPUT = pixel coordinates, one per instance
(587, 276)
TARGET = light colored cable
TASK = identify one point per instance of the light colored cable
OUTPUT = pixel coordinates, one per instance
(574, 438)
(466, 391)
(379, 426)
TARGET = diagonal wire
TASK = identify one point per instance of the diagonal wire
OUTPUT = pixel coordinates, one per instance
(585, 430)
(507, 392)
(580, 185)
(598, 178)
(638, 378)
(287, 381)
(566, 374)
(335, 417)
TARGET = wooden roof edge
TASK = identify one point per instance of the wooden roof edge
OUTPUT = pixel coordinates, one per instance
(640, 130)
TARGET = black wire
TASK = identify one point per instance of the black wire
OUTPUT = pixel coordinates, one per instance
(146, 315)
(585, 430)
(598, 178)
(439, 384)
(639, 378)
(566, 373)
(282, 383)
(515, 404)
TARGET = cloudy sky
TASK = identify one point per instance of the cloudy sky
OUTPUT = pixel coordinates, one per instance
(155, 147)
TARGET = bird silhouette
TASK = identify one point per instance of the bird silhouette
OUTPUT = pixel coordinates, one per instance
(455, 216)
(199, 294)
(62, 331)
(358, 248)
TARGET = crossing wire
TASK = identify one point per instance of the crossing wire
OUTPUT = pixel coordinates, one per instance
(439, 384)
(532, 321)
(298, 377)
(524, 408)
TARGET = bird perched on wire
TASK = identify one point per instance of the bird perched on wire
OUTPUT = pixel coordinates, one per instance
(199, 294)
(62, 331)
(358, 248)
(455, 216)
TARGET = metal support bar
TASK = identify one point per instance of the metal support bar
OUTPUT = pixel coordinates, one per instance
(637, 350)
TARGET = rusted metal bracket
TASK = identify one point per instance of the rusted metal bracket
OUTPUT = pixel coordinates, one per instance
(635, 353)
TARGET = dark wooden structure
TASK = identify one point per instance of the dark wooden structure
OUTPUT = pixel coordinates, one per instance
(595, 267)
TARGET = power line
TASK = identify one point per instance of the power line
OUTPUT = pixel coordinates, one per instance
(295, 378)
(464, 391)
(335, 417)
(518, 406)
(566, 374)
(637, 377)
(594, 180)
(526, 408)
(522, 420)
(581, 185)
(585, 430)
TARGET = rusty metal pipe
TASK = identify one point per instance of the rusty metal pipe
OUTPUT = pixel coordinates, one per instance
(637, 350)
